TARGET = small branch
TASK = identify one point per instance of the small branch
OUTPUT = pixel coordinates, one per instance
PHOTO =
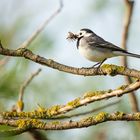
(127, 21)
(31, 124)
(26, 83)
(89, 97)
(104, 70)
(20, 104)
(27, 42)
(129, 5)
(88, 112)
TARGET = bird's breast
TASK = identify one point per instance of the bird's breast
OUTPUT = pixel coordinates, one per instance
(94, 54)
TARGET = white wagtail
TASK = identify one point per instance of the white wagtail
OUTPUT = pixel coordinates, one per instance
(95, 48)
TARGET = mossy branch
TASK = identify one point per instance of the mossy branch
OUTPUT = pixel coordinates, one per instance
(27, 124)
(89, 97)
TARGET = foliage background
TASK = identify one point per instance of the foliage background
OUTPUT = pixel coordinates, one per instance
(18, 19)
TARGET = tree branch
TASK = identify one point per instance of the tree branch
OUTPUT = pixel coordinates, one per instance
(89, 97)
(104, 70)
(24, 125)
(129, 5)
(86, 112)
(26, 83)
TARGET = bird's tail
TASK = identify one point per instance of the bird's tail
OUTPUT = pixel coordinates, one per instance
(133, 55)
(120, 53)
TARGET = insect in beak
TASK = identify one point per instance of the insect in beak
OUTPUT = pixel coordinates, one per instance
(72, 36)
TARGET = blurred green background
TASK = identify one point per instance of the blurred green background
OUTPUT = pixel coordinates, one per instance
(18, 19)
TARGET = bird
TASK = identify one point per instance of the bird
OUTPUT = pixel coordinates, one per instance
(95, 48)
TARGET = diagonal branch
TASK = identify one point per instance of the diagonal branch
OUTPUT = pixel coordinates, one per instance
(89, 97)
(87, 112)
(27, 42)
(20, 103)
(34, 35)
(26, 83)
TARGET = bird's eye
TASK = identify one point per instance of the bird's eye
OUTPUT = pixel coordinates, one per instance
(80, 33)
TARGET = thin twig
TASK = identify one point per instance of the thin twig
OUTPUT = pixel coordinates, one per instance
(20, 103)
(129, 5)
(26, 83)
(87, 112)
(27, 42)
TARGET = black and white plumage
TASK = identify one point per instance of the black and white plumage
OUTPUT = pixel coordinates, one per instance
(96, 49)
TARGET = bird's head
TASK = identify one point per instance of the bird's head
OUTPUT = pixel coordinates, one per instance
(84, 33)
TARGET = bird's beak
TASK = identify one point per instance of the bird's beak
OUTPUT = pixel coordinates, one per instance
(72, 36)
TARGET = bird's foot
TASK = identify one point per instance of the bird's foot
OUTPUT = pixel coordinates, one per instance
(97, 65)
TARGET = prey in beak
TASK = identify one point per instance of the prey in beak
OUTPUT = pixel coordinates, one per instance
(72, 36)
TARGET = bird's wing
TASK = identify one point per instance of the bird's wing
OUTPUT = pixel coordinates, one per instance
(101, 43)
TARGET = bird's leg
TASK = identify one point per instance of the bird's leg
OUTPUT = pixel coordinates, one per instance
(101, 63)
(93, 65)
(97, 64)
